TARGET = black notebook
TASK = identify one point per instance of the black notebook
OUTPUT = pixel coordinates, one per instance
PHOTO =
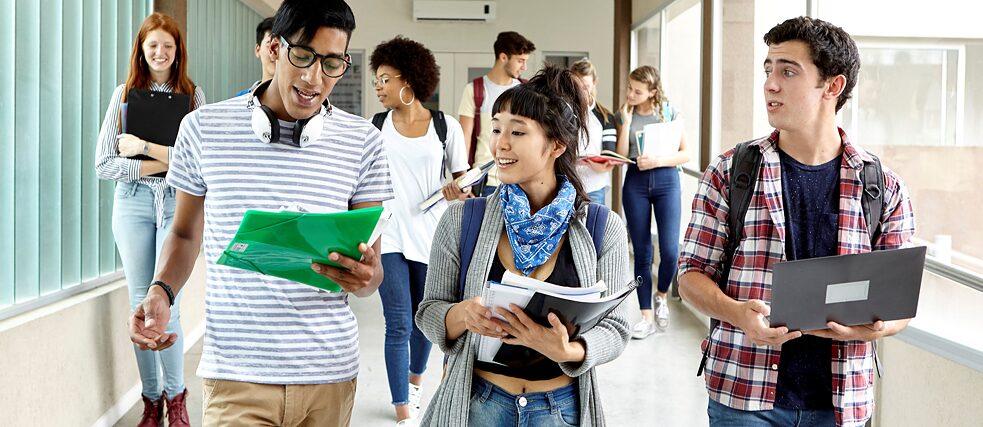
(155, 117)
(579, 316)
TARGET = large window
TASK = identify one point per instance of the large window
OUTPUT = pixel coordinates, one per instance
(670, 41)
(59, 63)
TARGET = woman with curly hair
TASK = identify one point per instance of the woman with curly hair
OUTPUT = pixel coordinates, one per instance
(406, 74)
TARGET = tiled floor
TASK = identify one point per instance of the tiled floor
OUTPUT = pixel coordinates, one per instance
(653, 383)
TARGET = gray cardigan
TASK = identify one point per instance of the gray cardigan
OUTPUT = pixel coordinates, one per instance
(604, 342)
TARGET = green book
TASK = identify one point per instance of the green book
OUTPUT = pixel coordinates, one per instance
(284, 244)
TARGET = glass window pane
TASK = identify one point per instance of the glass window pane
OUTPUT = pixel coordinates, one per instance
(7, 206)
(50, 146)
(681, 70)
(72, 147)
(26, 152)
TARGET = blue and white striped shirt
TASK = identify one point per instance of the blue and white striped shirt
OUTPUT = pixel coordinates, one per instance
(110, 165)
(259, 328)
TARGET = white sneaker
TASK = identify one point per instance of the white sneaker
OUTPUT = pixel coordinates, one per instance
(416, 392)
(643, 329)
(409, 422)
(661, 313)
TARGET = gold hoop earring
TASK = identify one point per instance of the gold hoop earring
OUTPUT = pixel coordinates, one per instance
(401, 96)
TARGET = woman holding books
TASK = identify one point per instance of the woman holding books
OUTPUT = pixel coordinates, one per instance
(601, 135)
(533, 225)
(406, 75)
(143, 205)
(651, 184)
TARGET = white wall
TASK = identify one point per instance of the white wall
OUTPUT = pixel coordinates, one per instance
(553, 25)
(71, 363)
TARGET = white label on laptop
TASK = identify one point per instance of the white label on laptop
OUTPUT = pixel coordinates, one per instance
(847, 292)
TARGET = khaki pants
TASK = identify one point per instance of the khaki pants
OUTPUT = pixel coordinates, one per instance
(234, 403)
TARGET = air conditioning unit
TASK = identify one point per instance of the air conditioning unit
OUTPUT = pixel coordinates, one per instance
(454, 10)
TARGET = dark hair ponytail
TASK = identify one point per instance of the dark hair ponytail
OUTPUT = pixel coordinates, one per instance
(553, 98)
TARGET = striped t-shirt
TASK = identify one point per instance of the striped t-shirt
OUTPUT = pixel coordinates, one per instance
(110, 165)
(258, 328)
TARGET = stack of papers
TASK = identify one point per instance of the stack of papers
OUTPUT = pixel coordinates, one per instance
(284, 244)
(520, 291)
(660, 139)
(469, 178)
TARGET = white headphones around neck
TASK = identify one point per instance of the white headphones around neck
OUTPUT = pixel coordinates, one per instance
(267, 127)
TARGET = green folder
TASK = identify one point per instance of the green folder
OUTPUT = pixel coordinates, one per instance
(284, 244)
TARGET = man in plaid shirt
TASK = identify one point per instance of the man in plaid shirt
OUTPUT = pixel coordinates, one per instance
(808, 196)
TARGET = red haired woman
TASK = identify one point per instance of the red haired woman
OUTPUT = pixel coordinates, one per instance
(144, 203)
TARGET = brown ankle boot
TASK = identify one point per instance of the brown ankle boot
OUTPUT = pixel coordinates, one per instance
(177, 410)
(153, 412)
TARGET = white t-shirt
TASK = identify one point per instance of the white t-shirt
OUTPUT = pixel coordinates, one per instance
(483, 153)
(592, 179)
(414, 166)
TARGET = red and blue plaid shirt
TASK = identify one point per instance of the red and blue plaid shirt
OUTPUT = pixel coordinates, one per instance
(738, 373)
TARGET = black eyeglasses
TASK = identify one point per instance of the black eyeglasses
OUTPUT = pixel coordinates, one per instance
(303, 57)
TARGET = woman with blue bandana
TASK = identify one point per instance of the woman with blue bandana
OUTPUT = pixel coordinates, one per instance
(533, 225)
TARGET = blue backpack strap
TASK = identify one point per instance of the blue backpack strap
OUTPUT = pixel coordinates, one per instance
(474, 212)
(597, 220)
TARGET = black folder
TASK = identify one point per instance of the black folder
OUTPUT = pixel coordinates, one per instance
(155, 117)
(578, 316)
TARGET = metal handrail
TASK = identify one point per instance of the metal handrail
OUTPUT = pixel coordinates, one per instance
(949, 271)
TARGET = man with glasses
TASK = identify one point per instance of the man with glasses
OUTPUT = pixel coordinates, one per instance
(276, 352)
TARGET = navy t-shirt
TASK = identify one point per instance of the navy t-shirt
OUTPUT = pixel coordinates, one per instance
(811, 196)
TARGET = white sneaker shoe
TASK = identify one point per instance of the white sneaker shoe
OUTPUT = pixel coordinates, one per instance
(643, 329)
(416, 392)
(661, 313)
(409, 422)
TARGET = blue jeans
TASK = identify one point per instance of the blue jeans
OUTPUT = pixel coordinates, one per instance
(646, 191)
(139, 241)
(598, 196)
(491, 406)
(401, 292)
(724, 416)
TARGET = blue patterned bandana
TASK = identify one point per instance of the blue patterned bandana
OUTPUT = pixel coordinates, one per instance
(534, 237)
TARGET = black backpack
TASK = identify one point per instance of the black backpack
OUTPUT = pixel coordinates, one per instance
(744, 170)
(439, 124)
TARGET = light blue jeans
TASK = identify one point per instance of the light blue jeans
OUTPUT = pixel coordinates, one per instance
(598, 196)
(724, 416)
(491, 406)
(139, 241)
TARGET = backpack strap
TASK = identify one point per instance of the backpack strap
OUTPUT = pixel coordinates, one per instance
(440, 125)
(872, 179)
(474, 212)
(478, 84)
(379, 119)
(597, 221)
(744, 169)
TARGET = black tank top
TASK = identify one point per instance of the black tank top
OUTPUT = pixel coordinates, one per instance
(539, 366)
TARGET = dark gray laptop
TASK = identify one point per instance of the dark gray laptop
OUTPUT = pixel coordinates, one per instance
(847, 289)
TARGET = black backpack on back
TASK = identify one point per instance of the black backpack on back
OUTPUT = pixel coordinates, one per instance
(439, 124)
(744, 170)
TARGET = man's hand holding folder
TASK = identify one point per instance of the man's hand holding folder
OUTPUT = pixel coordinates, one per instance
(319, 250)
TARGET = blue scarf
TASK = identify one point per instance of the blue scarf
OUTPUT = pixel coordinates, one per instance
(534, 237)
